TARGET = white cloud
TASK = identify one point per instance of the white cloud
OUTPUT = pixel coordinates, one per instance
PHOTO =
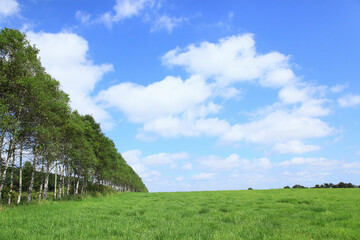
(175, 127)
(306, 176)
(165, 158)
(349, 100)
(187, 166)
(174, 107)
(338, 88)
(9, 8)
(313, 107)
(318, 162)
(143, 165)
(295, 147)
(125, 9)
(218, 163)
(203, 176)
(352, 165)
(292, 94)
(180, 179)
(278, 126)
(146, 103)
(82, 16)
(65, 57)
(234, 162)
(166, 22)
(232, 59)
(278, 78)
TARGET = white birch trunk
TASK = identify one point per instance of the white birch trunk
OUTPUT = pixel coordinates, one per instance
(56, 168)
(63, 181)
(20, 176)
(41, 188)
(3, 178)
(60, 181)
(1, 146)
(77, 186)
(46, 181)
(11, 178)
(32, 179)
(68, 180)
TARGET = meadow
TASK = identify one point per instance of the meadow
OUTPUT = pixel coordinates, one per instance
(258, 214)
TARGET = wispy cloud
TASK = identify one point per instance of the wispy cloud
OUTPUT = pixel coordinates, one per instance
(203, 176)
(167, 23)
(349, 100)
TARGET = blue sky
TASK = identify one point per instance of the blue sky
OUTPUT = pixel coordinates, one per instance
(210, 95)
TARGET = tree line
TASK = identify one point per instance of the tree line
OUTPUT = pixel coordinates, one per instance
(38, 129)
(328, 185)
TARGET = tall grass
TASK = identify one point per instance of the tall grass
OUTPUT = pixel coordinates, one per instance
(267, 214)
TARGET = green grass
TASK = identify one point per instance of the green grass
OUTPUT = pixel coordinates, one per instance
(268, 214)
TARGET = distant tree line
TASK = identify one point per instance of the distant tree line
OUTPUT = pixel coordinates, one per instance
(42, 138)
(339, 185)
(327, 185)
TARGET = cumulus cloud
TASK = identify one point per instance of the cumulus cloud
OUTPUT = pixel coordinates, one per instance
(125, 9)
(65, 57)
(349, 100)
(174, 107)
(9, 8)
(232, 59)
(146, 103)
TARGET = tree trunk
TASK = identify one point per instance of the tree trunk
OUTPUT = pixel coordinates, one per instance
(56, 168)
(84, 184)
(1, 146)
(60, 181)
(32, 178)
(42, 181)
(63, 181)
(68, 180)
(11, 178)
(46, 181)
(77, 186)
(3, 178)
(20, 175)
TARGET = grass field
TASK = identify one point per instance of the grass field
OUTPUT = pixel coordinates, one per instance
(266, 214)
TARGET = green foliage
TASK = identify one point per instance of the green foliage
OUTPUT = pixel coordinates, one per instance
(263, 214)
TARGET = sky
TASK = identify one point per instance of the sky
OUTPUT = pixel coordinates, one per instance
(210, 95)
